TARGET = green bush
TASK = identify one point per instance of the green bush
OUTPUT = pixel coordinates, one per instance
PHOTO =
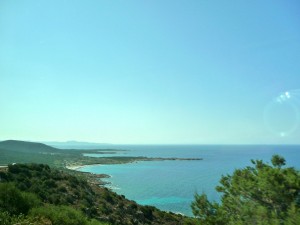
(262, 194)
(63, 215)
(60, 215)
(14, 201)
(7, 219)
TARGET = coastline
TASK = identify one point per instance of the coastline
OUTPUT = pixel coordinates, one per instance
(96, 178)
(92, 178)
(74, 167)
(120, 160)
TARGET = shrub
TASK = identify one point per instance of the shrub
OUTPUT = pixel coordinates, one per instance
(60, 215)
(14, 201)
(261, 194)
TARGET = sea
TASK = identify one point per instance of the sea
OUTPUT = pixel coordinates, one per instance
(171, 185)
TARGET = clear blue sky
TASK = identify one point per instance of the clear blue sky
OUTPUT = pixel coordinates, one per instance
(150, 72)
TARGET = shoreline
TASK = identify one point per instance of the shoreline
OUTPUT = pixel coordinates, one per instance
(96, 179)
(76, 168)
(133, 159)
(92, 178)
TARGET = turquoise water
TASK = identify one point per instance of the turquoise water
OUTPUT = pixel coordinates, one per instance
(171, 185)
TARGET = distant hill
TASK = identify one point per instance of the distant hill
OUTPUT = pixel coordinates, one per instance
(26, 147)
(13, 151)
(78, 145)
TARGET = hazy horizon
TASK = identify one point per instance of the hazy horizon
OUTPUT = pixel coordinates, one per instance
(150, 72)
(83, 143)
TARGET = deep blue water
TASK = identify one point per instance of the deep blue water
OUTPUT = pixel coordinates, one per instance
(171, 185)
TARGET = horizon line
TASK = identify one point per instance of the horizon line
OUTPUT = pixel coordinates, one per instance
(170, 144)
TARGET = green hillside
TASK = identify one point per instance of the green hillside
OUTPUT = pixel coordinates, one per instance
(29, 152)
(26, 147)
(59, 192)
(67, 188)
(40, 194)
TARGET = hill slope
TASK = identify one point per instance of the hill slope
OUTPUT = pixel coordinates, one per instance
(58, 188)
(30, 152)
(26, 147)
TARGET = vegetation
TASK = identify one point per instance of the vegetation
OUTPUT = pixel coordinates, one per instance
(18, 207)
(262, 194)
(37, 194)
(31, 152)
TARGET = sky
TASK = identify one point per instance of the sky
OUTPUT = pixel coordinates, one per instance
(150, 72)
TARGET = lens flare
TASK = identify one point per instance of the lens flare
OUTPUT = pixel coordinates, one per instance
(281, 115)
